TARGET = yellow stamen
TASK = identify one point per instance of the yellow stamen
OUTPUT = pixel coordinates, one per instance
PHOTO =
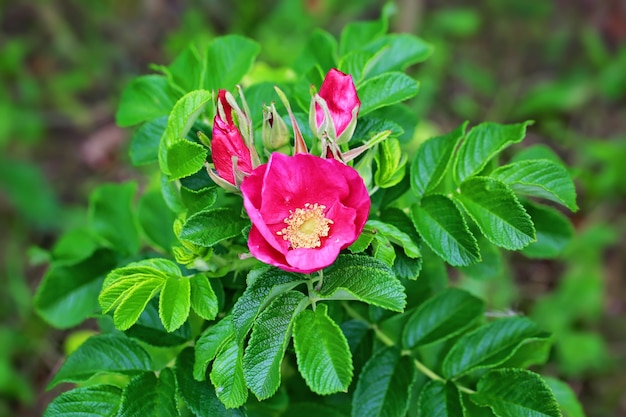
(305, 226)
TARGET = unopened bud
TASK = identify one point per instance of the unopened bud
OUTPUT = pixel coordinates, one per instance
(275, 132)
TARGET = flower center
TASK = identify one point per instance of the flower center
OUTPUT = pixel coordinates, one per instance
(305, 226)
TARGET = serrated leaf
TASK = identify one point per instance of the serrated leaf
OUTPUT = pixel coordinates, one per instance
(534, 351)
(489, 345)
(147, 395)
(134, 300)
(203, 298)
(432, 160)
(399, 237)
(228, 59)
(112, 216)
(68, 292)
(92, 401)
(227, 375)
(386, 89)
(144, 146)
(390, 163)
(539, 178)
(179, 157)
(565, 396)
(482, 143)
(441, 225)
(516, 393)
(268, 342)
(111, 353)
(209, 227)
(209, 344)
(149, 329)
(554, 232)
(258, 294)
(471, 409)
(383, 250)
(199, 397)
(441, 317)
(496, 211)
(363, 278)
(174, 302)
(397, 52)
(439, 399)
(384, 385)
(145, 98)
(322, 351)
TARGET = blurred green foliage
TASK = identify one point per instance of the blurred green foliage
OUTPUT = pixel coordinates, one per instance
(63, 64)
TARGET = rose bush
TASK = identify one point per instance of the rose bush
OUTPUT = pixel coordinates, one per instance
(304, 210)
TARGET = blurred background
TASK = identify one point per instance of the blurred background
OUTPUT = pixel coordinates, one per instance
(562, 63)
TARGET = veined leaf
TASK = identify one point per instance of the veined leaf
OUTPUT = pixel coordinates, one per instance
(174, 302)
(441, 317)
(397, 236)
(209, 227)
(147, 395)
(384, 385)
(203, 299)
(199, 397)
(565, 396)
(92, 401)
(354, 277)
(209, 344)
(482, 143)
(441, 225)
(554, 232)
(259, 293)
(227, 375)
(516, 392)
(386, 89)
(356, 34)
(110, 353)
(134, 300)
(489, 345)
(539, 178)
(439, 399)
(149, 329)
(432, 160)
(268, 342)
(397, 52)
(390, 163)
(324, 358)
(500, 217)
(145, 98)
(228, 59)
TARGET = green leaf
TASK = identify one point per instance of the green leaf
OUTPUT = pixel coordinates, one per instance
(110, 353)
(432, 160)
(500, 217)
(482, 143)
(439, 399)
(355, 277)
(179, 157)
(268, 342)
(516, 393)
(390, 163)
(112, 216)
(356, 34)
(323, 354)
(147, 395)
(92, 401)
(534, 351)
(489, 345)
(145, 98)
(441, 317)
(443, 228)
(320, 52)
(262, 288)
(149, 329)
(199, 397)
(227, 375)
(209, 227)
(156, 220)
(144, 146)
(397, 236)
(209, 344)
(312, 410)
(203, 298)
(539, 178)
(397, 52)
(134, 299)
(174, 302)
(68, 292)
(384, 90)
(554, 232)
(384, 385)
(228, 59)
(565, 396)
(471, 409)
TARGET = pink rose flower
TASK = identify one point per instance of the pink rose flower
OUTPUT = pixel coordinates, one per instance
(304, 211)
(227, 144)
(339, 92)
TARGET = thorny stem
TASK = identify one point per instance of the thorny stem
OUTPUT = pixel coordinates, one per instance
(388, 342)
